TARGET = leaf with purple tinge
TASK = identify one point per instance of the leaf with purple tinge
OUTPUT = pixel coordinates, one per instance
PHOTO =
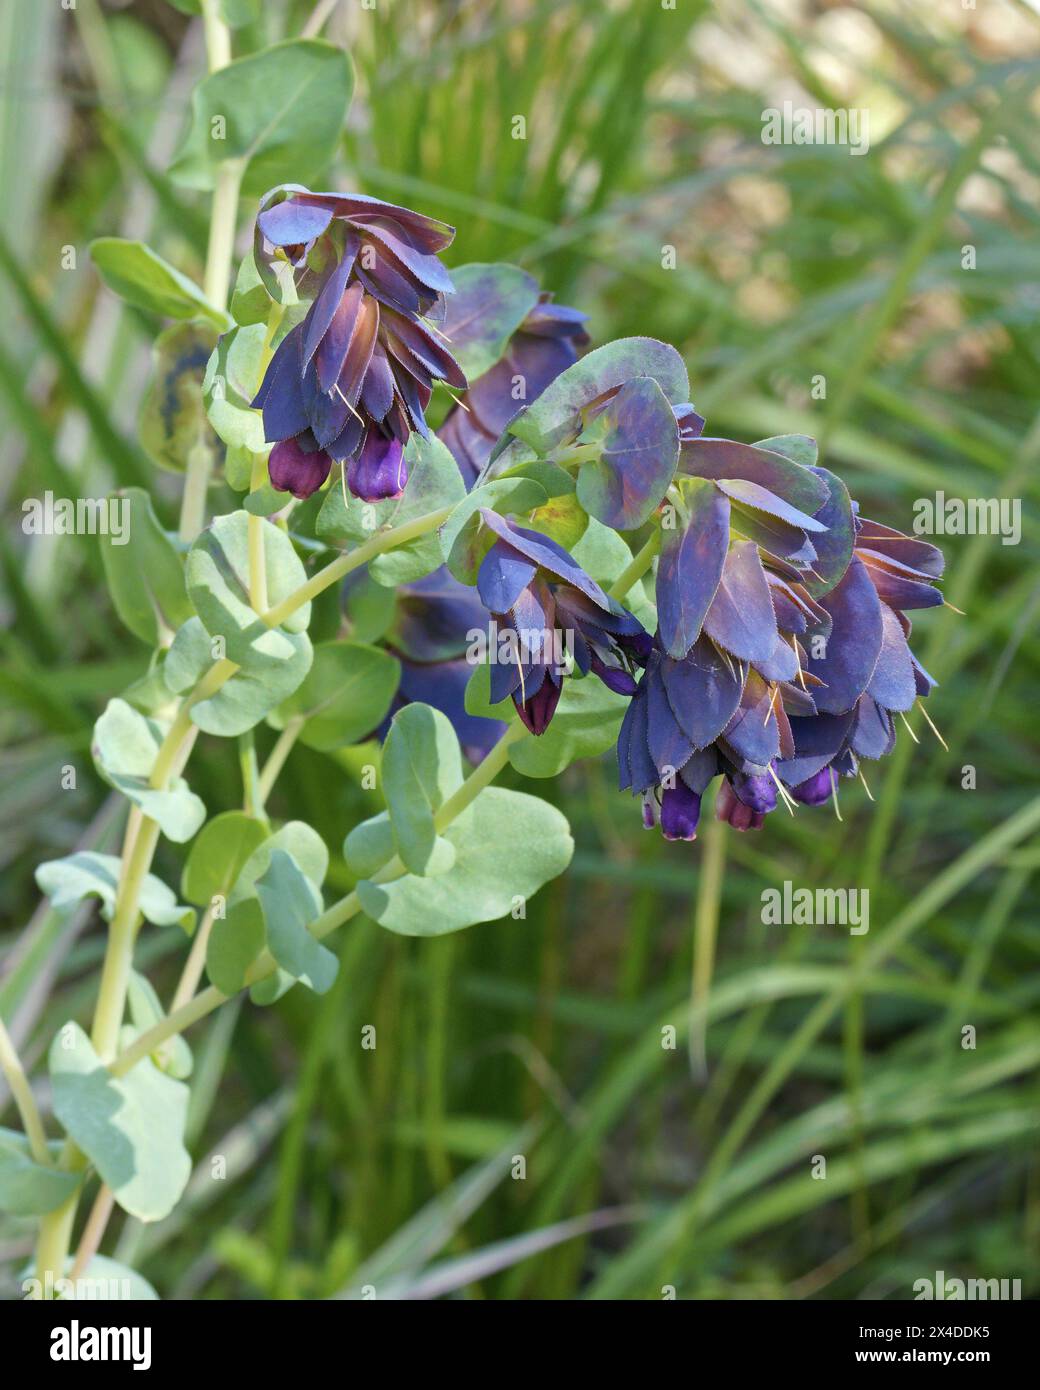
(781, 664)
(700, 770)
(670, 746)
(817, 740)
(923, 681)
(798, 703)
(854, 643)
(799, 448)
(892, 683)
(900, 591)
(877, 560)
(292, 223)
(284, 408)
(776, 538)
(727, 460)
(917, 554)
(429, 270)
(703, 690)
(556, 415)
(489, 304)
(873, 732)
(544, 552)
(753, 731)
(760, 499)
(690, 565)
(834, 547)
(639, 443)
(325, 308)
(635, 766)
(740, 616)
(503, 576)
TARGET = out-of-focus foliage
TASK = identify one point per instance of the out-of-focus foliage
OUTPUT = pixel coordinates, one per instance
(615, 151)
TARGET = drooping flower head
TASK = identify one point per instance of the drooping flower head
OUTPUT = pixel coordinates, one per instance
(782, 651)
(865, 672)
(351, 381)
(553, 614)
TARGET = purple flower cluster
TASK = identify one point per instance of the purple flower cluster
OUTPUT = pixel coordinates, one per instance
(780, 657)
(782, 652)
(352, 380)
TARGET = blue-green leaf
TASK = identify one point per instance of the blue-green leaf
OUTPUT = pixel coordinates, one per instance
(130, 1127)
(87, 874)
(125, 747)
(505, 851)
(345, 695)
(422, 766)
(145, 574)
(140, 276)
(489, 304)
(290, 904)
(28, 1188)
(555, 417)
(279, 112)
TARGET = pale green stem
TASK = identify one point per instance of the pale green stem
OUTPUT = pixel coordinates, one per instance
(21, 1091)
(705, 932)
(638, 566)
(217, 278)
(52, 1244)
(195, 964)
(276, 759)
(335, 916)
(115, 972)
(352, 559)
(138, 848)
(250, 773)
(257, 478)
(218, 36)
(255, 530)
(196, 483)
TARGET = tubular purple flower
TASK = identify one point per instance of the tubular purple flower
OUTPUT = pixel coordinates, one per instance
(379, 470)
(680, 812)
(295, 468)
(730, 808)
(815, 790)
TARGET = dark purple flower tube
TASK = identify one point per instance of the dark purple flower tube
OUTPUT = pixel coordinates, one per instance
(815, 790)
(379, 471)
(537, 710)
(680, 812)
(295, 468)
(757, 790)
(730, 808)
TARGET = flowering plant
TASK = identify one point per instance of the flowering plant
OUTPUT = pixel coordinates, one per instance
(433, 445)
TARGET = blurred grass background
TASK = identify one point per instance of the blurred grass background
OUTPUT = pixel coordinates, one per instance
(542, 1037)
